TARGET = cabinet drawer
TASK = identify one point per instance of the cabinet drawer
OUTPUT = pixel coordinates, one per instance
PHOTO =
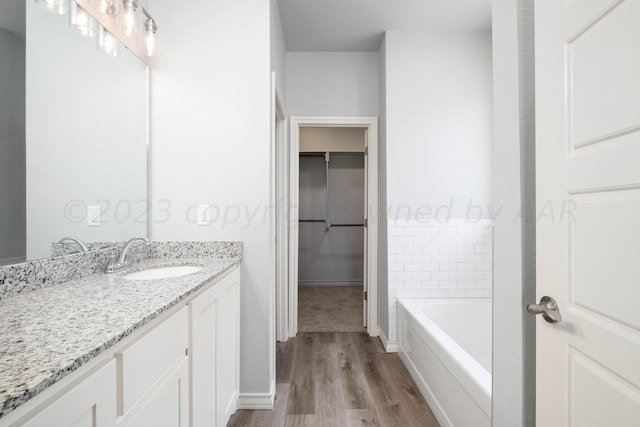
(144, 362)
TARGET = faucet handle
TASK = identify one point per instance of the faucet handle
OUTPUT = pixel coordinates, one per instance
(111, 264)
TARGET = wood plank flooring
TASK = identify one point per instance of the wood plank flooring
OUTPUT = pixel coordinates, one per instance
(328, 379)
(330, 309)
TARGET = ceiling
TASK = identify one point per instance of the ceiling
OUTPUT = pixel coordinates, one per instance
(343, 25)
(358, 25)
(12, 14)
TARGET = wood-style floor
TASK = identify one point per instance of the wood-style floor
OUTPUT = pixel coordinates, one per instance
(327, 379)
(330, 309)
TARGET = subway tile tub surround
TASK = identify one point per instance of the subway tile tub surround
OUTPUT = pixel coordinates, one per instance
(452, 259)
(51, 329)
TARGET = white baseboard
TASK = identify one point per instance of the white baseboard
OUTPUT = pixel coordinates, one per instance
(257, 400)
(389, 347)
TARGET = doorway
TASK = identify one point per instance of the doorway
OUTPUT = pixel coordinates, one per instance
(331, 228)
(370, 215)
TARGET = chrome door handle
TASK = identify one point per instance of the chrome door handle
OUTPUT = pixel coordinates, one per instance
(548, 308)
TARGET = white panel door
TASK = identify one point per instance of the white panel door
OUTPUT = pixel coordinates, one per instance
(588, 203)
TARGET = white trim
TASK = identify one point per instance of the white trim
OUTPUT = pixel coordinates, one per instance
(371, 126)
(389, 347)
(294, 170)
(280, 190)
(256, 400)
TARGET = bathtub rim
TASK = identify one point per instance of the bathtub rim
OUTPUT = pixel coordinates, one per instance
(477, 381)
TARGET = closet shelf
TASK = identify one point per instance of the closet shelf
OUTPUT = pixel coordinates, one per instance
(332, 225)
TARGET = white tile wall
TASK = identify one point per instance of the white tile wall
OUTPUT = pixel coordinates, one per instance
(451, 259)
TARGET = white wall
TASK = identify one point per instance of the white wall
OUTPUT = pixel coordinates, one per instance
(514, 232)
(436, 138)
(438, 124)
(211, 145)
(332, 84)
(86, 137)
(322, 139)
(278, 50)
(12, 148)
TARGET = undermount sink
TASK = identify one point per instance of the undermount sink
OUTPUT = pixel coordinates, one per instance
(155, 273)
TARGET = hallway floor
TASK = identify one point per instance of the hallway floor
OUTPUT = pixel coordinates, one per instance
(330, 309)
(331, 379)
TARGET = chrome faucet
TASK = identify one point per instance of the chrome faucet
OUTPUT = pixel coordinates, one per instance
(113, 265)
(78, 242)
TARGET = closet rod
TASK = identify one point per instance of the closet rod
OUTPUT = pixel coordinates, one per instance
(312, 154)
(331, 225)
(321, 153)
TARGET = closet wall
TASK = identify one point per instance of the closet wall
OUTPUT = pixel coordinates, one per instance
(331, 255)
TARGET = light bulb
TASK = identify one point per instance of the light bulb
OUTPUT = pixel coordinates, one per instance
(149, 41)
(128, 20)
(107, 43)
(110, 7)
(80, 21)
(59, 7)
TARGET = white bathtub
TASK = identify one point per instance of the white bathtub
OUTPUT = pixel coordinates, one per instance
(446, 346)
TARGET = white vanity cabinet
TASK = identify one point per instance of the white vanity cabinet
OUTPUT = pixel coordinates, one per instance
(87, 402)
(179, 370)
(153, 376)
(214, 351)
(167, 402)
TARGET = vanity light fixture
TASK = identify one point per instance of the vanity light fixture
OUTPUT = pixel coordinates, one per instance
(108, 43)
(149, 41)
(110, 7)
(80, 21)
(115, 22)
(59, 7)
(128, 21)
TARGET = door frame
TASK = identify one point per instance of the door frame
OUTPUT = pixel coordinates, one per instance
(280, 201)
(371, 126)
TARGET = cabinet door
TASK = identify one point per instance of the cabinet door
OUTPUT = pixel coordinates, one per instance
(142, 363)
(202, 351)
(227, 347)
(90, 403)
(168, 403)
(213, 349)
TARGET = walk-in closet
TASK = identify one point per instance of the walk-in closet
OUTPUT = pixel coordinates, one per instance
(331, 247)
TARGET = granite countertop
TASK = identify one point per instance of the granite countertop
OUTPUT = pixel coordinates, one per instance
(48, 333)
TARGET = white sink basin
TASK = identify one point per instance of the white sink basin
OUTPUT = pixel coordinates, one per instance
(162, 272)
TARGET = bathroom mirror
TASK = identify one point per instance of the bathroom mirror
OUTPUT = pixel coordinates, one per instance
(73, 134)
